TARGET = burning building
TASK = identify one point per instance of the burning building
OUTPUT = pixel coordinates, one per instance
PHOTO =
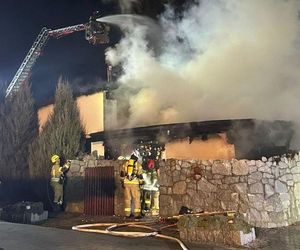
(241, 165)
(218, 139)
(208, 140)
(216, 61)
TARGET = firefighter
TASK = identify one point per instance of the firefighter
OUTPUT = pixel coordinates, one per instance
(58, 178)
(132, 178)
(155, 196)
(150, 188)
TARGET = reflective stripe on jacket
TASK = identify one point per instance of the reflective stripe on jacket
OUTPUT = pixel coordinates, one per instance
(55, 179)
(134, 181)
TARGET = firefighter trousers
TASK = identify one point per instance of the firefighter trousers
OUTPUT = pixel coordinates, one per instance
(132, 192)
(58, 192)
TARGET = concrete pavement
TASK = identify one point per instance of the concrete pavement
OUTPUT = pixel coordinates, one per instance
(22, 237)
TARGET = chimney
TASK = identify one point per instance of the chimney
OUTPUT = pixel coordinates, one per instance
(109, 73)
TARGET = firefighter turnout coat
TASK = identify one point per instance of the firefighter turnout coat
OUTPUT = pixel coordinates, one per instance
(57, 181)
(131, 177)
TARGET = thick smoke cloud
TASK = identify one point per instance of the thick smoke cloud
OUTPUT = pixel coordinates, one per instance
(222, 59)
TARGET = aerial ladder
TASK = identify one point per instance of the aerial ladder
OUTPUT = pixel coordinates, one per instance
(95, 33)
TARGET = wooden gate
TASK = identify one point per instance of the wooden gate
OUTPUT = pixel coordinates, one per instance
(99, 188)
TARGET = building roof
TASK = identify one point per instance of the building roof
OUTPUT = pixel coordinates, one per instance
(252, 138)
(182, 130)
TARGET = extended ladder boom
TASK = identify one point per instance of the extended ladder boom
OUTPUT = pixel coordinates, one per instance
(58, 33)
(28, 62)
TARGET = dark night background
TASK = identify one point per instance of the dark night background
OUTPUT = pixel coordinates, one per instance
(71, 57)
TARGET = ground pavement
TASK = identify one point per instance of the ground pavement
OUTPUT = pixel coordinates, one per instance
(22, 237)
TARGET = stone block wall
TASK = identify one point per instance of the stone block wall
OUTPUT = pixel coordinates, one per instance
(266, 193)
(74, 188)
(215, 228)
(119, 191)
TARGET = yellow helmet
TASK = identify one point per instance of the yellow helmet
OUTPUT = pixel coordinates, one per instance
(54, 158)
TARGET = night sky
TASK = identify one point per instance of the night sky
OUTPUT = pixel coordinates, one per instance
(71, 57)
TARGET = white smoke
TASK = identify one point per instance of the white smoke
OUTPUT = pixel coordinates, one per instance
(223, 59)
(126, 6)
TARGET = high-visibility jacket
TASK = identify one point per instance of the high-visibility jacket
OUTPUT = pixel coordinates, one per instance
(57, 171)
(132, 172)
(150, 181)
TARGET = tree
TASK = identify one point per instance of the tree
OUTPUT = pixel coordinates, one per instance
(64, 126)
(18, 128)
(62, 134)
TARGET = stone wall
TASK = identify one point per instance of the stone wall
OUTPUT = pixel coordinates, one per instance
(266, 193)
(215, 229)
(74, 192)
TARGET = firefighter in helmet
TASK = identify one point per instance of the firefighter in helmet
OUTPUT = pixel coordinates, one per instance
(132, 178)
(150, 188)
(58, 178)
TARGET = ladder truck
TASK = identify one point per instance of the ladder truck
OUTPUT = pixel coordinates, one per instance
(95, 33)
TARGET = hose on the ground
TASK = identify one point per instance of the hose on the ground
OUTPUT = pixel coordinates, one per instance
(154, 233)
(136, 234)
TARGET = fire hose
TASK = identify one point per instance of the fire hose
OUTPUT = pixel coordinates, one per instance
(110, 227)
